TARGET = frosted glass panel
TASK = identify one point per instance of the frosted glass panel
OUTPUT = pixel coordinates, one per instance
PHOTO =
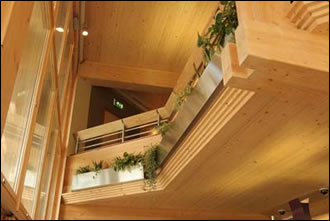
(12, 141)
(39, 138)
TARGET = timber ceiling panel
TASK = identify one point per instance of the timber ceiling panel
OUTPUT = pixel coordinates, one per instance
(286, 156)
(154, 34)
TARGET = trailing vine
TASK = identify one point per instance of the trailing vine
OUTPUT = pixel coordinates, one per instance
(150, 165)
(148, 161)
(163, 128)
(224, 26)
(182, 96)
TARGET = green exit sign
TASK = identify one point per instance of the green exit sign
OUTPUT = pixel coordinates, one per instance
(118, 104)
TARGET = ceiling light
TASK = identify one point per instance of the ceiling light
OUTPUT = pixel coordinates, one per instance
(60, 29)
(84, 33)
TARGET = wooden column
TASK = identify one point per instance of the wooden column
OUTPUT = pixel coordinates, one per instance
(300, 211)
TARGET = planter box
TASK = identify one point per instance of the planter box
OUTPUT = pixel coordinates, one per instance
(106, 177)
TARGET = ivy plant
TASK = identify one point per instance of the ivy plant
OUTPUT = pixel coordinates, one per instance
(148, 161)
(163, 128)
(225, 24)
(181, 97)
(150, 165)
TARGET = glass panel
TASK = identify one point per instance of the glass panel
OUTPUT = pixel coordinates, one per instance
(45, 182)
(60, 29)
(39, 139)
(20, 106)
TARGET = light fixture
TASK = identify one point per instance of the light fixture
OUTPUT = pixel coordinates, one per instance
(60, 29)
(84, 33)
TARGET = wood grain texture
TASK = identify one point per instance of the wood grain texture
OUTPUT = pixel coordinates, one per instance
(123, 77)
(312, 16)
(260, 47)
(154, 35)
(248, 154)
(71, 212)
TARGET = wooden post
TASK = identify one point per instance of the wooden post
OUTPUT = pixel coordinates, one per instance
(300, 211)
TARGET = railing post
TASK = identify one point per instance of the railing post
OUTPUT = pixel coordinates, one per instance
(123, 132)
(158, 120)
(77, 145)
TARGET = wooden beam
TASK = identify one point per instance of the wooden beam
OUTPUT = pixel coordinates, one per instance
(131, 78)
(9, 197)
(300, 211)
(68, 20)
(302, 57)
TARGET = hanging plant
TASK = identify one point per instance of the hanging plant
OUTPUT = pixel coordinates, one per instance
(224, 26)
(150, 165)
(163, 128)
(148, 161)
(181, 97)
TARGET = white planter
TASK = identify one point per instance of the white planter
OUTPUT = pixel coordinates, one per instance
(106, 177)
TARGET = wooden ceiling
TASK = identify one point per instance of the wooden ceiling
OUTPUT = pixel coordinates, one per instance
(287, 154)
(152, 34)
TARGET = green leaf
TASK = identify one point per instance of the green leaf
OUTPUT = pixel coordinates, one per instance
(228, 30)
(200, 41)
(218, 18)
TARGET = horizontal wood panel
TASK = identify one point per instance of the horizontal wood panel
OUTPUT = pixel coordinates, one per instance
(131, 78)
(88, 212)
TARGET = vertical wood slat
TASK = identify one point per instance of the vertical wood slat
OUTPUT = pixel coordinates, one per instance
(66, 82)
(32, 121)
(44, 156)
(65, 145)
(52, 177)
(12, 43)
(8, 195)
(55, 168)
(68, 20)
(49, 123)
(58, 188)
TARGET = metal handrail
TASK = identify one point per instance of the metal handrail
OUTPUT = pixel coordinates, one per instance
(121, 132)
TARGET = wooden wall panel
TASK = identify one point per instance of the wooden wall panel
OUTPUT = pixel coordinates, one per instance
(96, 212)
